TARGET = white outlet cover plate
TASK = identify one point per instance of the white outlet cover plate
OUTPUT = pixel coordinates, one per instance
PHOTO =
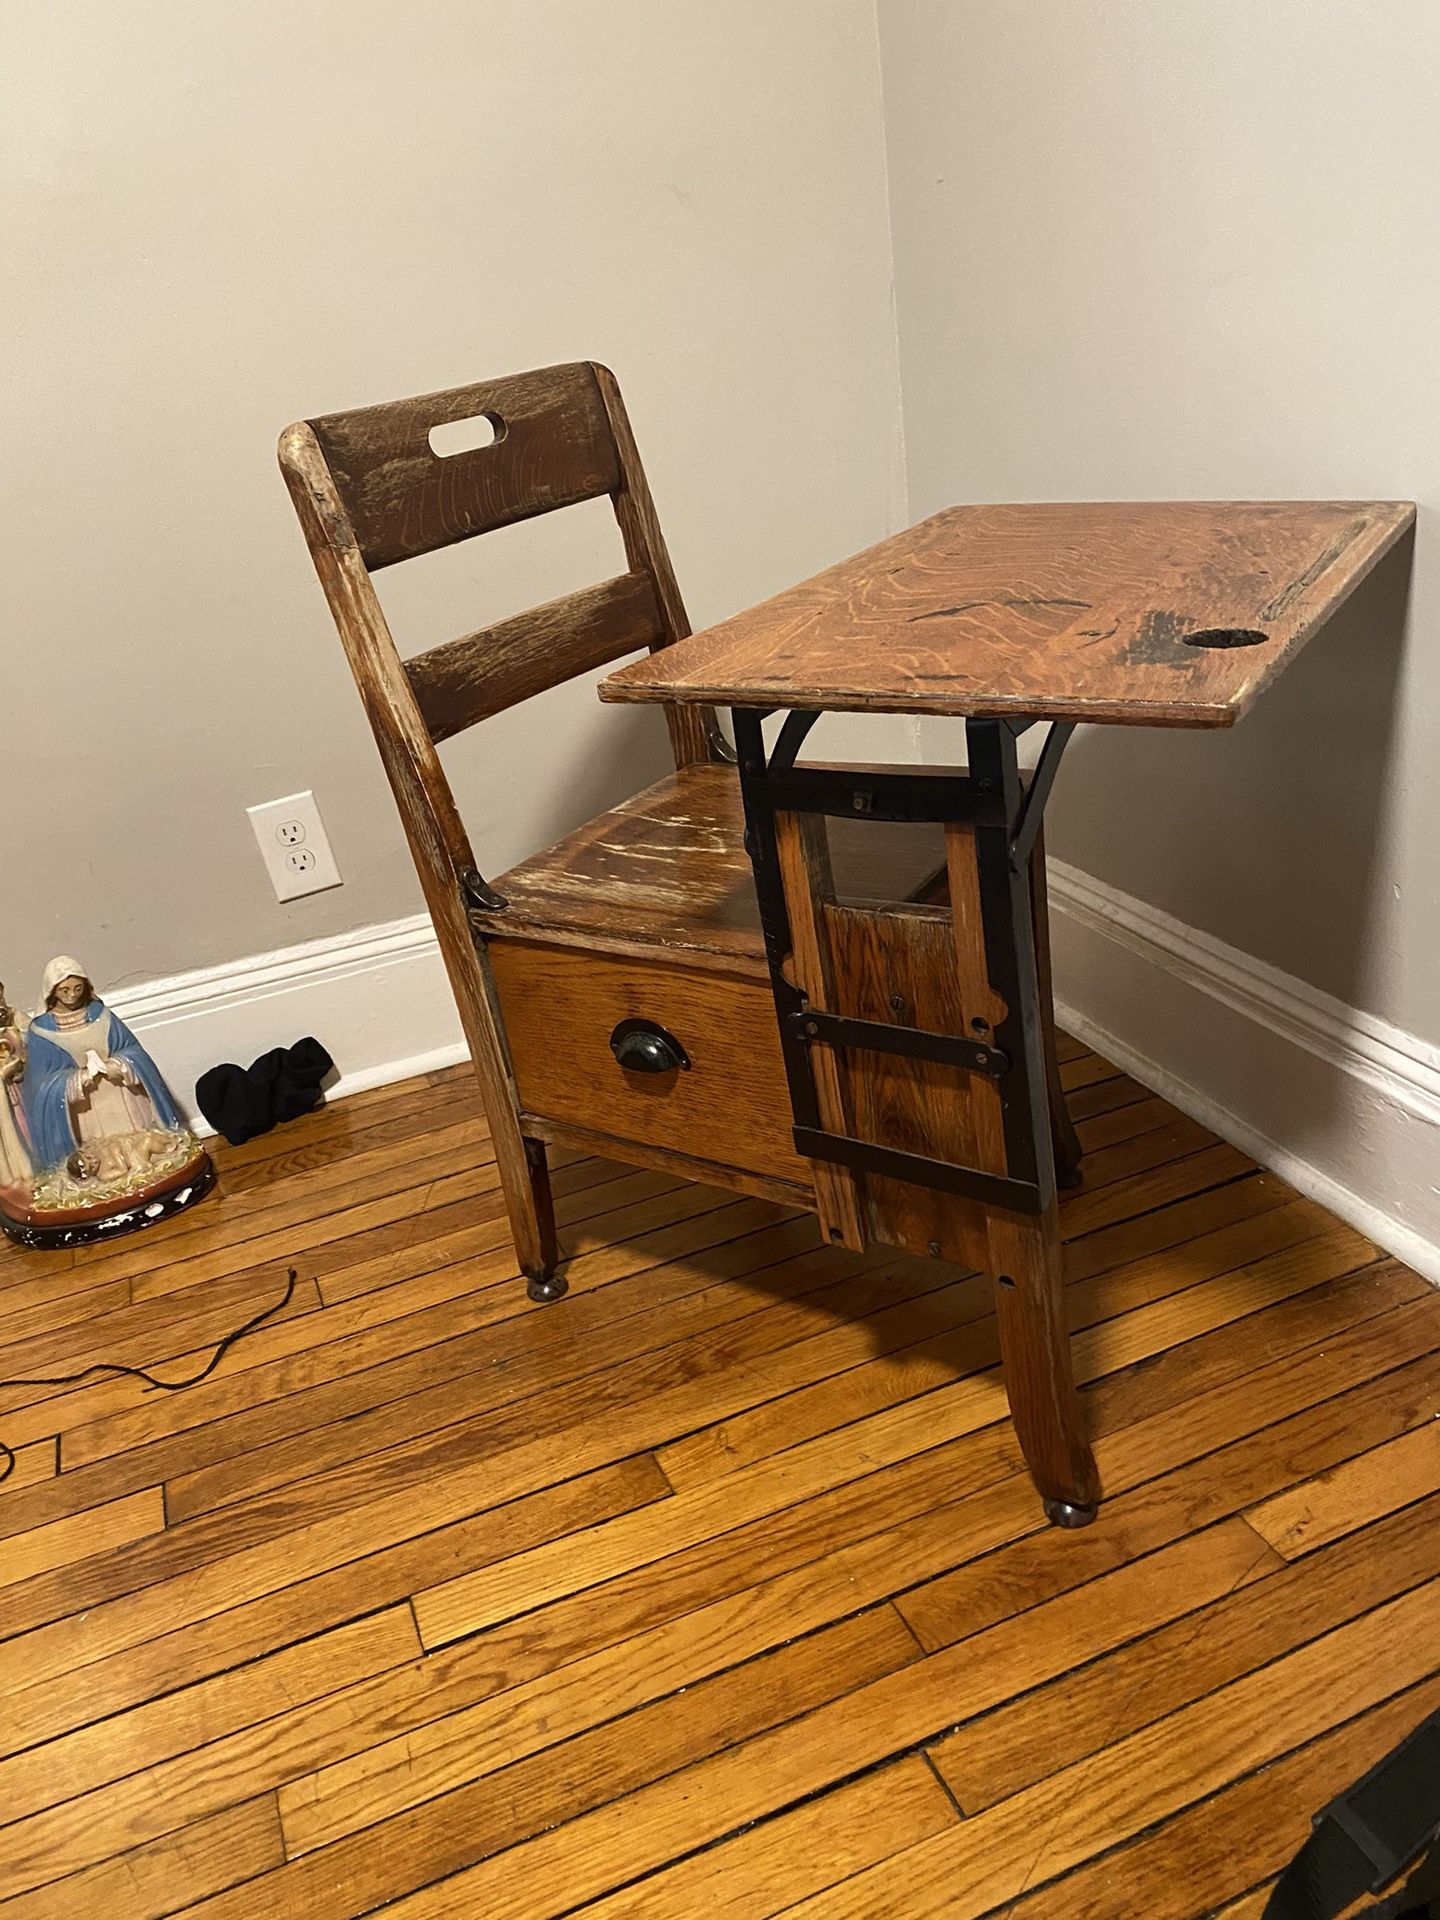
(294, 846)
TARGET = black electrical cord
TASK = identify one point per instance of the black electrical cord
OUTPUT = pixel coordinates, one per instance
(7, 1453)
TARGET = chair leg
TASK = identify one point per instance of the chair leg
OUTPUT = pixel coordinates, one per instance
(1064, 1138)
(543, 1281)
(1039, 1380)
(529, 1205)
(520, 1161)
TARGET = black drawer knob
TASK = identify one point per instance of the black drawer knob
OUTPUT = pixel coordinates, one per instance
(642, 1046)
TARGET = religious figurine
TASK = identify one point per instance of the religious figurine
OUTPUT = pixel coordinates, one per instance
(105, 1146)
(16, 1167)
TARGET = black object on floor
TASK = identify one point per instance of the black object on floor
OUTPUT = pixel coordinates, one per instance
(7, 1453)
(240, 1102)
(1367, 1836)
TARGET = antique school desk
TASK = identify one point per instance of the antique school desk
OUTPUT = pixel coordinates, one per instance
(825, 985)
(912, 1034)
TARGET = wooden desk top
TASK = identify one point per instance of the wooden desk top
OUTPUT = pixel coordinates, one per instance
(1129, 612)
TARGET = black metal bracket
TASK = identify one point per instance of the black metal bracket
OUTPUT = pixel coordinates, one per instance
(992, 800)
(915, 1043)
(866, 1156)
(1046, 768)
(792, 736)
(877, 793)
(478, 892)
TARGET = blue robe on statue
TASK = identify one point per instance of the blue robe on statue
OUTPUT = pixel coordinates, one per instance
(50, 1067)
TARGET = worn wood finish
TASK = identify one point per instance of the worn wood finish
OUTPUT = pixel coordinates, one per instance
(683, 1166)
(666, 875)
(803, 851)
(469, 680)
(438, 841)
(926, 966)
(662, 879)
(561, 435)
(879, 959)
(553, 447)
(1073, 612)
(691, 728)
(731, 1105)
(705, 1588)
(1024, 1256)
(369, 491)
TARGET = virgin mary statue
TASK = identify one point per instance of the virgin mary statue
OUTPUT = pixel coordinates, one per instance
(87, 1078)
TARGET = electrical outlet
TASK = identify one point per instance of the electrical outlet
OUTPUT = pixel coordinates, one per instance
(293, 844)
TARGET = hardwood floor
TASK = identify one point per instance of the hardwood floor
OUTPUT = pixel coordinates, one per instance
(716, 1587)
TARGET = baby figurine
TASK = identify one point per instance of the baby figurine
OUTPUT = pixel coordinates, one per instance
(119, 1156)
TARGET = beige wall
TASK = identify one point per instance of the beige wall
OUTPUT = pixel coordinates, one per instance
(1140, 249)
(222, 217)
(1150, 249)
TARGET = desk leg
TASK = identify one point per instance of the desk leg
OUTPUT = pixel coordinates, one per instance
(919, 1048)
(1035, 1352)
(1025, 1249)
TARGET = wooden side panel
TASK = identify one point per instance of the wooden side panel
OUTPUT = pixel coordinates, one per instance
(732, 1106)
(469, 680)
(553, 446)
(903, 965)
(684, 1166)
(898, 967)
(809, 889)
(1023, 1252)
(980, 1009)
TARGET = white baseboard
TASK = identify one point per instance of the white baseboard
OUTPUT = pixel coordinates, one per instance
(1342, 1105)
(377, 1000)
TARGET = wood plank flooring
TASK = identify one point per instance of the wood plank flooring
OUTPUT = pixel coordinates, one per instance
(717, 1587)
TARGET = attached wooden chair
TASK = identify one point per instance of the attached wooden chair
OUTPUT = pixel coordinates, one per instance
(613, 990)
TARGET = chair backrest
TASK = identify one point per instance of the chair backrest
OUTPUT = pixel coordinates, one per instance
(370, 491)
(559, 436)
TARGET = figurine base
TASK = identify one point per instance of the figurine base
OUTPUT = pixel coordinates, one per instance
(82, 1226)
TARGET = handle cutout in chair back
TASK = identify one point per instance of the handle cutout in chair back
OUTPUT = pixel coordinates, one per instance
(466, 436)
(406, 497)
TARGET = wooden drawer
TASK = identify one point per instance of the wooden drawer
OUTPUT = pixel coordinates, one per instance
(560, 1005)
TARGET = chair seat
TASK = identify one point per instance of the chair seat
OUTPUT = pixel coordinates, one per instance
(668, 870)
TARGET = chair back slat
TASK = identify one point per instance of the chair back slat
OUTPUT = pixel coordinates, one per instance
(553, 446)
(468, 680)
(370, 490)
